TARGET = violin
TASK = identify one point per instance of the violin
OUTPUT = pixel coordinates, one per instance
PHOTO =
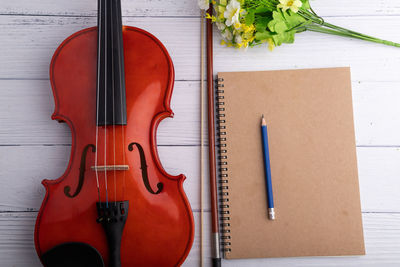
(115, 205)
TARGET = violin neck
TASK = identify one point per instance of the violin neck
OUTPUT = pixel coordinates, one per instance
(111, 98)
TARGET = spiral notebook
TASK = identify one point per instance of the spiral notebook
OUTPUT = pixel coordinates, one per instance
(313, 163)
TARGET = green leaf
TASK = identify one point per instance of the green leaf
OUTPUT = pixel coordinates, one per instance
(250, 17)
(294, 19)
(261, 9)
(290, 37)
(283, 27)
(280, 27)
(306, 4)
(277, 15)
(271, 25)
(286, 14)
(263, 35)
(261, 23)
(285, 37)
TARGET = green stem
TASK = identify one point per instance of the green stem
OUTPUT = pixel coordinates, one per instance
(345, 30)
(357, 34)
(321, 29)
(311, 16)
(339, 30)
(315, 28)
(270, 4)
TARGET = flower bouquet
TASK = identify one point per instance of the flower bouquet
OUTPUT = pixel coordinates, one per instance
(245, 23)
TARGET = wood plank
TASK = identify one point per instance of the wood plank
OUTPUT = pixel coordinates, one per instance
(46, 33)
(26, 107)
(28, 43)
(22, 168)
(89, 8)
(382, 239)
(376, 112)
(184, 8)
(379, 172)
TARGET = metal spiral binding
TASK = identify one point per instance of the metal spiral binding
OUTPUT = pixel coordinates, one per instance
(223, 167)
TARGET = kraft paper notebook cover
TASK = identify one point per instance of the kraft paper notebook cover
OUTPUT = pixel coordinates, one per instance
(313, 162)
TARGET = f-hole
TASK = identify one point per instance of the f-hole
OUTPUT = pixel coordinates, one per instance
(143, 167)
(67, 189)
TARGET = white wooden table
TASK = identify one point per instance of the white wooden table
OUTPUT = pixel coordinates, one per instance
(32, 147)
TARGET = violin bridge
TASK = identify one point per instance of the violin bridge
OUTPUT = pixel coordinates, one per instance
(110, 168)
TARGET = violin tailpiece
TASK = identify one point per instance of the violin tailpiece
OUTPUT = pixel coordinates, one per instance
(112, 216)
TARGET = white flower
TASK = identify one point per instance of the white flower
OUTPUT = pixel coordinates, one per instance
(238, 39)
(232, 13)
(221, 26)
(294, 5)
(203, 4)
(227, 35)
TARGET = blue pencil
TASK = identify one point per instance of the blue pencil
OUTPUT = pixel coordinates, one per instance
(267, 166)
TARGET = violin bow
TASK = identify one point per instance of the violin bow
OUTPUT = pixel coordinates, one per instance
(202, 65)
(216, 253)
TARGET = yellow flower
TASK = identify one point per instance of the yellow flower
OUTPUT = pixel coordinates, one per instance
(248, 28)
(237, 25)
(294, 5)
(243, 40)
(213, 18)
(271, 44)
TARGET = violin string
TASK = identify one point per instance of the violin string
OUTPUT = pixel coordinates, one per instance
(105, 106)
(120, 38)
(97, 105)
(113, 99)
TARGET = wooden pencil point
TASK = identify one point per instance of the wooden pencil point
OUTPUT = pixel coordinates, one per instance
(263, 122)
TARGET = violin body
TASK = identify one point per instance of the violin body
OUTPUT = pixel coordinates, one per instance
(159, 225)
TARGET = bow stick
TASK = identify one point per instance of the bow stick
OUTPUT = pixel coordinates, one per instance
(202, 65)
(216, 257)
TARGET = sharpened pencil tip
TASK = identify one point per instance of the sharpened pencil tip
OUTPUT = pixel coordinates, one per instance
(263, 122)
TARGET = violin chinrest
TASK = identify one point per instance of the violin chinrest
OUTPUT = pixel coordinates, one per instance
(72, 254)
